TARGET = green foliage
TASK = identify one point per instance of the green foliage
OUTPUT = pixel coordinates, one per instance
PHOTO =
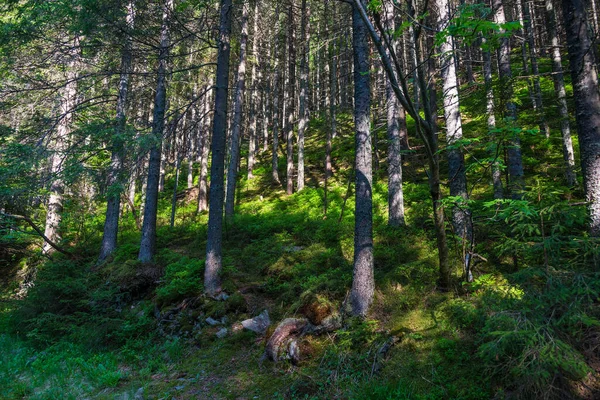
(181, 279)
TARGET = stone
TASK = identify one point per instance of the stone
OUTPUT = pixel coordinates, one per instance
(258, 324)
(222, 333)
(212, 322)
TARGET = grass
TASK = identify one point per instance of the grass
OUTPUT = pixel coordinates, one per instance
(124, 329)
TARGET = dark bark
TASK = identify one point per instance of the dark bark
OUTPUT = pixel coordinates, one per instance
(515, 160)
(561, 95)
(363, 284)
(587, 104)
(115, 178)
(236, 128)
(291, 101)
(148, 242)
(213, 264)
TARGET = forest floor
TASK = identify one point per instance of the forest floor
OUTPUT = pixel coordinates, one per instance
(127, 331)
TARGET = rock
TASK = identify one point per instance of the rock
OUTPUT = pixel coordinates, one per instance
(212, 322)
(258, 324)
(221, 296)
(222, 333)
(139, 394)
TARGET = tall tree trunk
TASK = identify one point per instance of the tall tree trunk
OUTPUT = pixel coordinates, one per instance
(456, 161)
(291, 101)
(515, 161)
(148, 242)
(213, 264)
(277, 104)
(363, 284)
(238, 104)
(175, 187)
(254, 102)
(529, 33)
(395, 123)
(204, 152)
(115, 178)
(561, 95)
(304, 65)
(59, 146)
(587, 104)
(491, 123)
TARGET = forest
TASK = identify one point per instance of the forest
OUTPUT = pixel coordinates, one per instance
(299, 199)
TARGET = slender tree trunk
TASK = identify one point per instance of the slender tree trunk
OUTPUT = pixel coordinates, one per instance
(277, 104)
(304, 69)
(254, 103)
(59, 147)
(515, 161)
(363, 284)
(491, 122)
(539, 105)
(205, 148)
(148, 242)
(456, 161)
(587, 104)
(291, 102)
(395, 113)
(115, 178)
(561, 94)
(238, 104)
(213, 264)
(175, 187)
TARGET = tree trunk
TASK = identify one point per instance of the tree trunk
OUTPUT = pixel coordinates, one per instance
(115, 178)
(304, 65)
(213, 264)
(59, 147)
(491, 123)
(254, 103)
(204, 152)
(515, 161)
(539, 105)
(291, 102)
(587, 104)
(238, 104)
(148, 242)
(456, 161)
(395, 122)
(363, 284)
(561, 96)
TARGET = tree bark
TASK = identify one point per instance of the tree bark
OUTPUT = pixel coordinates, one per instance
(115, 178)
(304, 69)
(456, 161)
(205, 148)
(148, 242)
(587, 104)
(59, 147)
(291, 102)
(363, 284)
(254, 102)
(213, 264)
(561, 96)
(238, 104)
(395, 124)
(515, 160)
